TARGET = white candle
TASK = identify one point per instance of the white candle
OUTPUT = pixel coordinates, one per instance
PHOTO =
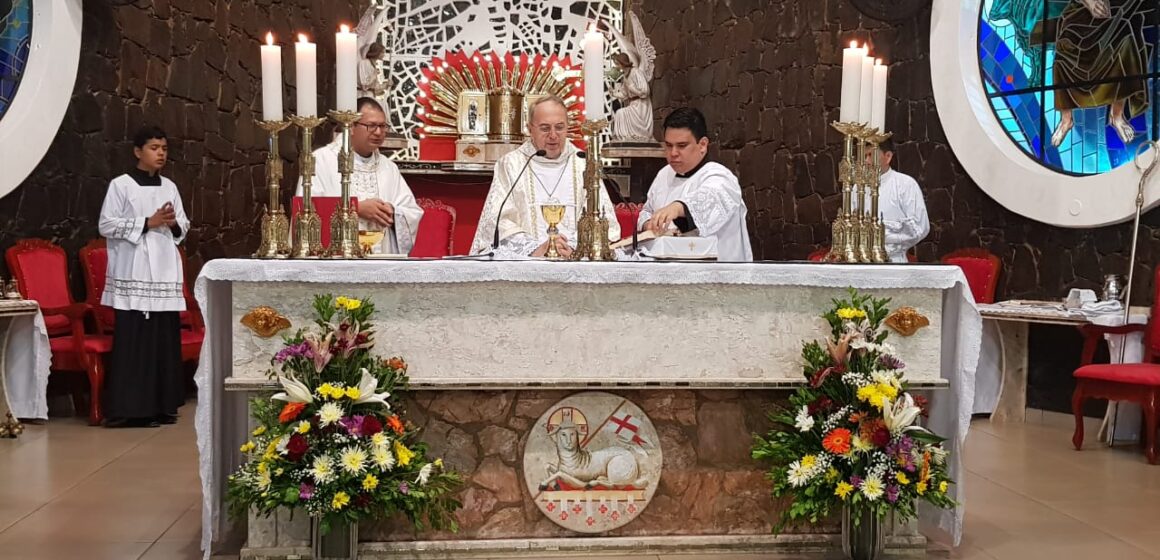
(878, 111)
(851, 83)
(271, 80)
(866, 90)
(593, 44)
(346, 68)
(306, 71)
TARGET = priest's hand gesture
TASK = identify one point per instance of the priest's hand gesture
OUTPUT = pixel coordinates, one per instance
(378, 212)
(562, 247)
(660, 220)
(164, 216)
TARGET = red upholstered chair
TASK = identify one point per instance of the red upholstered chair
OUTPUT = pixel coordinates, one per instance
(819, 255)
(325, 206)
(626, 215)
(981, 269)
(41, 268)
(435, 238)
(1138, 383)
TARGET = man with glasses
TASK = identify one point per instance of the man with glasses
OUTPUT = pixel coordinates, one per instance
(556, 176)
(385, 202)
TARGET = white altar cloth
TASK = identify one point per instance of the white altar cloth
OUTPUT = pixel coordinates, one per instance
(25, 356)
(221, 420)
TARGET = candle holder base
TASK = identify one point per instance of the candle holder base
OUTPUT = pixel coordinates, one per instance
(275, 236)
(344, 235)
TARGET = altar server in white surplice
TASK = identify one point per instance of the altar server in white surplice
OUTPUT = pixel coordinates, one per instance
(692, 193)
(901, 207)
(143, 220)
(557, 175)
(385, 202)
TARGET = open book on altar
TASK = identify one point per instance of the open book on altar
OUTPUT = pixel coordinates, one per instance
(687, 246)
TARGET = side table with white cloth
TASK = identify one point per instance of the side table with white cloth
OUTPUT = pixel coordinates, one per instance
(1001, 377)
(25, 359)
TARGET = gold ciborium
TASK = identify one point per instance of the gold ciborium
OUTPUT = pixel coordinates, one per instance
(553, 213)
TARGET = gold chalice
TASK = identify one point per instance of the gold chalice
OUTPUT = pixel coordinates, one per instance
(553, 213)
(369, 240)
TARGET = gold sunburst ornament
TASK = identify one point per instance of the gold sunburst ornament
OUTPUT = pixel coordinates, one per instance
(906, 321)
(265, 321)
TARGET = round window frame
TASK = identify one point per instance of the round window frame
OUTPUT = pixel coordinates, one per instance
(31, 122)
(993, 159)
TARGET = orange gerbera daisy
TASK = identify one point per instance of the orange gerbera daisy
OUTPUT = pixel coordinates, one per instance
(291, 411)
(395, 424)
(837, 441)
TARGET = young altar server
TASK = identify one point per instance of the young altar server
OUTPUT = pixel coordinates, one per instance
(144, 220)
(901, 207)
(695, 193)
(385, 202)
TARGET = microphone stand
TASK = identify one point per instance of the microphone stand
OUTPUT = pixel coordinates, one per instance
(499, 213)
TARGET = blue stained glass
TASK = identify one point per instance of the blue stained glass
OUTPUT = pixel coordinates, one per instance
(15, 37)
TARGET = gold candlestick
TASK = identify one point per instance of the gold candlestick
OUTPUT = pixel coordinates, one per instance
(861, 189)
(592, 228)
(877, 228)
(344, 223)
(843, 246)
(307, 224)
(275, 227)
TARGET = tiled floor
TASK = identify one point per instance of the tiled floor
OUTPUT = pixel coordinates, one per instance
(68, 491)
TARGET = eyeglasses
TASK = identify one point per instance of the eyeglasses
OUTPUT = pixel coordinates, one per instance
(373, 127)
(547, 128)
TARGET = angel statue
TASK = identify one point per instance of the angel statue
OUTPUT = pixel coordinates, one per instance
(370, 80)
(633, 121)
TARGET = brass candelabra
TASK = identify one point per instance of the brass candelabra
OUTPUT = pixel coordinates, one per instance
(307, 241)
(344, 223)
(275, 227)
(858, 235)
(592, 241)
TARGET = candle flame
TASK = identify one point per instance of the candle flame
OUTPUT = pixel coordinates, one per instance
(853, 44)
(878, 62)
(269, 38)
(344, 28)
(302, 38)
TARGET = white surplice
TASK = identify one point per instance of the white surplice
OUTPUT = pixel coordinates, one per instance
(522, 228)
(712, 196)
(144, 271)
(903, 213)
(374, 177)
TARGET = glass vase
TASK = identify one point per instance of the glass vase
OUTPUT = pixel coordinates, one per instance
(339, 543)
(863, 535)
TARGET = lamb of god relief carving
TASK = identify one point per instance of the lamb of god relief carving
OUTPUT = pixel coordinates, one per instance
(592, 462)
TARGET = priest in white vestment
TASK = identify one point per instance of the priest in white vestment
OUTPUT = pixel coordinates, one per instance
(556, 176)
(692, 193)
(901, 207)
(385, 202)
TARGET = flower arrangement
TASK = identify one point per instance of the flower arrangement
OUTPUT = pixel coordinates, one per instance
(332, 442)
(852, 436)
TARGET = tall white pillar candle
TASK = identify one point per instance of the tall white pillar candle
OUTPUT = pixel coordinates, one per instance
(593, 44)
(346, 69)
(271, 80)
(866, 90)
(851, 82)
(878, 112)
(306, 73)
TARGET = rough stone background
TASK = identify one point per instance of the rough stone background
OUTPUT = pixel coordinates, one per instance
(767, 74)
(709, 484)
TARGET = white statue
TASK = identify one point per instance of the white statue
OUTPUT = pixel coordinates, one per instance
(370, 80)
(633, 121)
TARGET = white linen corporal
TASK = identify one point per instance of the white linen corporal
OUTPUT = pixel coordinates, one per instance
(712, 196)
(374, 177)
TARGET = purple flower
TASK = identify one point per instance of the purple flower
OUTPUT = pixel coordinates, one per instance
(305, 491)
(892, 493)
(856, 481)
(404, 488)
(353, 424)
(300, 350)
(886, 361)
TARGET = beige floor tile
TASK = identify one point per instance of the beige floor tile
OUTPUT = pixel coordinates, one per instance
(116, 523)
(1076, 546)
(173, 550)
(63, 550)
(187, 528)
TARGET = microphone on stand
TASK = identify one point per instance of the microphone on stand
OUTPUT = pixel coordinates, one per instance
(499, 214)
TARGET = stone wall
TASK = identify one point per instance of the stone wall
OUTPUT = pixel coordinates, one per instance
(709, 485)
(193, 68)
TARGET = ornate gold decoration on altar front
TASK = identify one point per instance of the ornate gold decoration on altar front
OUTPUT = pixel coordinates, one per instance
(265, 321)
(857, 233)
(592, 243)
(906, 321)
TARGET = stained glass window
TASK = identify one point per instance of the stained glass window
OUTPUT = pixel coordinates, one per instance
(1075, 83)
(15, 36)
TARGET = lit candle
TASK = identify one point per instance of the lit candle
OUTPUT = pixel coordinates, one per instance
(271, 80)
(346, 68)
(878, 112)
(866, 90)
(593, 44)
(306, 70)
(851, 82)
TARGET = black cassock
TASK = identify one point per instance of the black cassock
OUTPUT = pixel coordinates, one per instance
(145, 378)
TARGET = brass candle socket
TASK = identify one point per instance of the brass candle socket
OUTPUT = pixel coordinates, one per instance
(592, 241)
(344, 223)
(275, 227)
(843, 246)
(307, 240)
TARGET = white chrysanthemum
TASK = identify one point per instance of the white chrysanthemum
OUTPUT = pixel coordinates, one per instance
(804, 422)
(353, 459)
(938, 455)
(872, 488)
(264, 480)
(380, 440)
(797, 475)
(329, 414)
(283, 442)
(425, 474)
(383, 458)
(322, 470)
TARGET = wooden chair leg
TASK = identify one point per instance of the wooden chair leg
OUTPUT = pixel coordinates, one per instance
(96, 373)
(1150, 425)
(1077, 399)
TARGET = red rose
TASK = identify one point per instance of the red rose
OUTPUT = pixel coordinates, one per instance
(923, 405)
(881, 437)
(371, 426)
(362, 500)
(296, 448)
(821, 403)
